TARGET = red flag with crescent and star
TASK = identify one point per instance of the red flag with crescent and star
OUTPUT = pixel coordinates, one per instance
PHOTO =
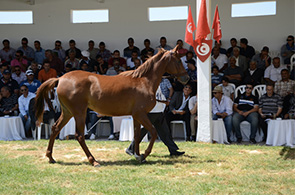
(216, 26)
(190, 29)
(203, 47)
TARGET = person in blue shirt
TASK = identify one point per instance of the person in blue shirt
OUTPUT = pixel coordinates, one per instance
(32, 83)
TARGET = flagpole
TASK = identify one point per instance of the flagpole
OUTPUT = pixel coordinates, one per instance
(204, 133)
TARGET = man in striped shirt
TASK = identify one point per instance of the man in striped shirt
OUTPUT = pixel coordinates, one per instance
(245, 109)
(270, 106)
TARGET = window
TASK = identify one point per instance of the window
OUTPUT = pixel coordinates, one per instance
(90, 16)
(16, 17)
(167, 13)
(264, 8)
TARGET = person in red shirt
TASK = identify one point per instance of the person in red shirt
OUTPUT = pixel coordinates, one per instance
(47, 72)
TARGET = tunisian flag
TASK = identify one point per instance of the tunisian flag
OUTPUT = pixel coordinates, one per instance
(202, 28)
(216, 26)
(190, 28)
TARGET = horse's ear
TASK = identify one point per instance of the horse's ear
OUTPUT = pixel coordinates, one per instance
(175, 49)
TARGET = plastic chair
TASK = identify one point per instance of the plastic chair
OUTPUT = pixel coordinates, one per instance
(259, 89)
(174, 125)
(239, 90)
(47, 128)
(292, 62)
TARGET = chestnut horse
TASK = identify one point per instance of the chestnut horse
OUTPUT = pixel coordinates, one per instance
(129, 93)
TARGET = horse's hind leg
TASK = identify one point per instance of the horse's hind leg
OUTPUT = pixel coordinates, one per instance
(56, 128)
(80, 125)
(137, 139)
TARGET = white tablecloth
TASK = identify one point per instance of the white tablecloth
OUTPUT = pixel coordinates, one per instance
(11, 128)
(69, 129)
(117, 122)
(219, 132)
(280, 132)
(127, 130)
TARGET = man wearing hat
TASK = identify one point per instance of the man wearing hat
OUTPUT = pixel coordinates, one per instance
(6, 80)
(32, 83)
(222, 107)
(87, 60)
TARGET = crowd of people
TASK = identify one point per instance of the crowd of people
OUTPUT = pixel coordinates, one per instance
(25, 69)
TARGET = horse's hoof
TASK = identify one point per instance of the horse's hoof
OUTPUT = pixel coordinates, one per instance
(52, 161)
(140, 158)
(96, 164)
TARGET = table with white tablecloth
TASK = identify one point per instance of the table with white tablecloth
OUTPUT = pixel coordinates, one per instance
(69, 129)
(127, 130)
(12, 128)
(219, 132)
(280, 132)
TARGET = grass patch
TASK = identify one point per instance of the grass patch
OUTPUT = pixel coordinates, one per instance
(205, 168)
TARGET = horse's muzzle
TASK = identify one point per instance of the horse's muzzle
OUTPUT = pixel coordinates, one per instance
(183, 79)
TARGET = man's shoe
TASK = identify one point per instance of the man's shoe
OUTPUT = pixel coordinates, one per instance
(111, 137)
(176, 153)
(129, 152)
(252, 141)
(92, 137)
(239, 140)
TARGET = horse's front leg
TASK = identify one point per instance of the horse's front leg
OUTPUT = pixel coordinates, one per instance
(137, 141)
(145, 121)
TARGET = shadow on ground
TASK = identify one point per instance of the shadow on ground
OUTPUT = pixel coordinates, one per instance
(288, 153)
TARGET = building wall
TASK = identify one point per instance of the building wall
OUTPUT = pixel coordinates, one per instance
(129, 18)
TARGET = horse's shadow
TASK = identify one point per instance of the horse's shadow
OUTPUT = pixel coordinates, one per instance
(164, 160)
(287, 153)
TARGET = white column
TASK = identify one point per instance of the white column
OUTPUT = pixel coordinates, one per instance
(204, 90)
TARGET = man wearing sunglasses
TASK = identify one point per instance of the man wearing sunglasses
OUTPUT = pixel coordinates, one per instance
(288, 49)
(245, 109)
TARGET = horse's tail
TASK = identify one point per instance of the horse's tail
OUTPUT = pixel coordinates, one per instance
(43, 94)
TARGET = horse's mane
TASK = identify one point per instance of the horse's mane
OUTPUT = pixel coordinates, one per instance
(145, 67)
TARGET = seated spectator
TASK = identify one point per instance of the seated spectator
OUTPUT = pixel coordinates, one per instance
(192, 73)
(219, 60)
(23, 103)
(137, 63)
(246, 50)
(222, 107)
(116, 56)
(193, 108)
(72, 44)
(85, 67)
(54, 62)
(32, 83)
(68, 68)
(163, 44)
(28, 52)
(144, 52)
(241, 61)
(7, 53)
(181, 50)
(101, 65)
(58, 51)
(245, 109)
(253, 75)
(178, 109)
(19, 61)
(35, 67)
(73, 60)
(47, 72)
(166, 89)
(189, 55)
(286, 85)
(115, 69)
(149, 55)
(39, 53)
(289, 105)
(18, 75)
(103, 52)
(234, 43)
(86, 59)
(233, 73)
(130, 61)
(218, 45)
(272, 73)
(263, 59)
(216, 77)
(6, 80)
(288, 49)
(228, 90)
(128, 50)
(4, 66)
(92, 50)
(8, 102)
(270, 106)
